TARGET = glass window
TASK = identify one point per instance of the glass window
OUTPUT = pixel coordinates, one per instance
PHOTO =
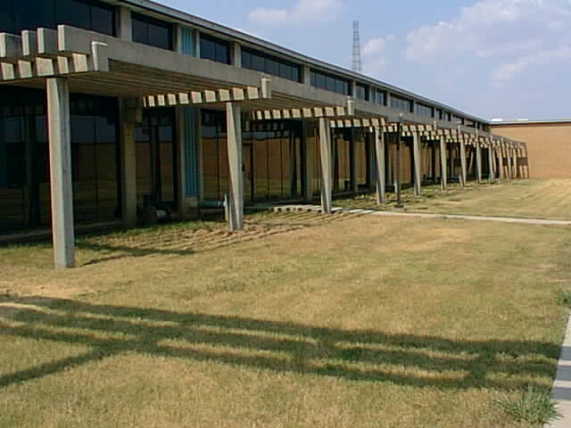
(103, 20)
(424, 110)
(403, 104)
(362, 92)
(259, 61)
(18, 15)
(7, 23)
(214, 49)
(152, 32)
(380, 97)
(329, 82)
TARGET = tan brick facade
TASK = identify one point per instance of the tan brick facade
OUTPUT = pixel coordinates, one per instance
(549, 146)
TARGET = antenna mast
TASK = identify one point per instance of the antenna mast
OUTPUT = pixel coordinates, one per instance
(357, 63)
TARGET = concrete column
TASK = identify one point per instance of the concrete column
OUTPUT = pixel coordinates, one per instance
(308, 164)
(479, 162)
(463, 172)
(527, 166)
(508, 162)
(236, 55)
(197, 43)
(326, 164)
(128, 162)
(381, 166)
(124, 24)
(417, 164)
(515, 163)
(443, 166)
(492, 175)
(234, 136)
(353, 158)
(60, 173)
(500, 155)
(371, 167)
(307, 75)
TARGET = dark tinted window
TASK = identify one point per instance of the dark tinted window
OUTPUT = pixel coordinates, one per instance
(259, 61)
(424, 110)
(18, 15)
(329, 82)
(152, 32)
(380, 97)
(214, 49)
(399, 103)
(362, 92)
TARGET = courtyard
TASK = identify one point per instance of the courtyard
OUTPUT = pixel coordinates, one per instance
(299, 320)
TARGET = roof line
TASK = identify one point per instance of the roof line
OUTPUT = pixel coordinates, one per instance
(528, 122)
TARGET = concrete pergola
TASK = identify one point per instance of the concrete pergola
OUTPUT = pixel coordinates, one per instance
(74, 60)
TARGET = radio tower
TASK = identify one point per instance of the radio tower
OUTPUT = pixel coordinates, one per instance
(357, 63)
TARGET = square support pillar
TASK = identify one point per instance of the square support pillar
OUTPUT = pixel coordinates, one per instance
(124, 24)
(234, 136)
(308, 149)
(508, 163)
(60, 173)
(326, 166)
(443, 165)
(417, 164)
(353, 158)
(492, 174)
(381, 166)
(501, 169)
(130, 115)
(463, 172)
(479, 162)
(515, 164)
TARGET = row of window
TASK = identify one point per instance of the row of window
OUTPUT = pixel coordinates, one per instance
(402, 104)
(424, 110)
(255, 60)
(330, 82)
(19, 15)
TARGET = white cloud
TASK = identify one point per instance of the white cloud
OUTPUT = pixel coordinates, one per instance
(302, 11)
(507, 71)
(513, 35)
(374, 55)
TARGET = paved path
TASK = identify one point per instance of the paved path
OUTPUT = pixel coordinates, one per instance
(562, 387)
(534, 221)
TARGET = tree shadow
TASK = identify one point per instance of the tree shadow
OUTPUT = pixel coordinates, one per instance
(357, 355)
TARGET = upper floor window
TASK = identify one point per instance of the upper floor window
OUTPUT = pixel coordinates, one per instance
(445, 116)
(379, 97)
(424, 110)
(152, 32)
(403, 104)
(18, 15)
(259, 61)
(330, 83)
(362, 92)
(458, 120)
(214, 49)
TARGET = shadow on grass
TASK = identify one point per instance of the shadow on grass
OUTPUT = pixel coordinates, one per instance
(357, 355)
(118, 252)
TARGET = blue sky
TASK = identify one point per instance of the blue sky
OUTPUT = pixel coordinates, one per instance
(492, 58)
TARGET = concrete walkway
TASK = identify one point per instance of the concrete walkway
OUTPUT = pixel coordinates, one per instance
(534, 221)
(562, 387)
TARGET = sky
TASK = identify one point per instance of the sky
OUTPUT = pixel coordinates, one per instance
(505, 59)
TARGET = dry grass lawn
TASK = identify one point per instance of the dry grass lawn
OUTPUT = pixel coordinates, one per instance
(542, 199)
(340, 321)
